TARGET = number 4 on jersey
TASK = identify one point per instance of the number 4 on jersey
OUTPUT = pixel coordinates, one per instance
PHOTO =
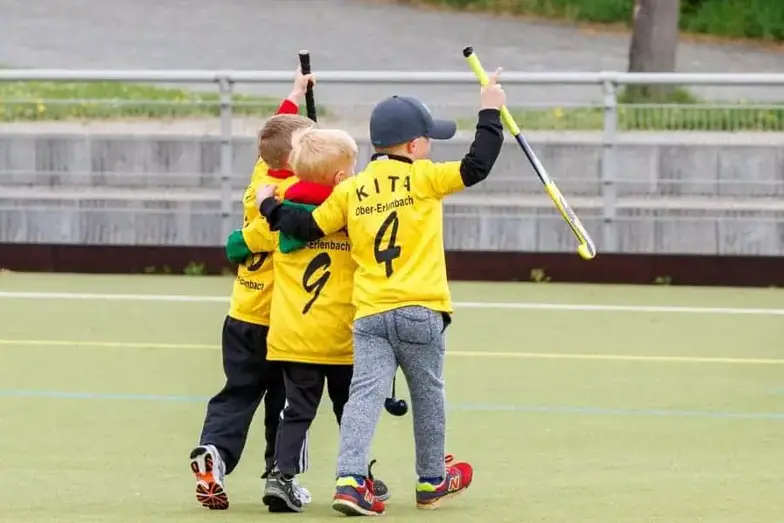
(392, 251)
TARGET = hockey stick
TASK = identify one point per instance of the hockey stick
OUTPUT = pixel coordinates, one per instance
(394, 405)
(310, 101)
(586, 249)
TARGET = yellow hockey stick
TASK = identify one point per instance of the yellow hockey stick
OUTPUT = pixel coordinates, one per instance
(586, 249)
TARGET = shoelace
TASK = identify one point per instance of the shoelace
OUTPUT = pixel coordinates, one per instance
(299, 490)
(449, 458)
(370, 470)
(290, 487)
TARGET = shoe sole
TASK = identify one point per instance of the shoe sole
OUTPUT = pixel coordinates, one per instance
(349, 508)
(209, 492)
(435, 504)
(278, 502)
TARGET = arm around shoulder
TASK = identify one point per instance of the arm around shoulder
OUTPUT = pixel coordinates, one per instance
(291, 221)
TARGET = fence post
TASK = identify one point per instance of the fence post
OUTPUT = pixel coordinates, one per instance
(226, 87)
(608, 169)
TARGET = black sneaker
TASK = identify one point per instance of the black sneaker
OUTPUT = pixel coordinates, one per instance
(380, 489)
(281, 494)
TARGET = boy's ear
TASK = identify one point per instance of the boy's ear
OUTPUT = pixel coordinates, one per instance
(339, 177)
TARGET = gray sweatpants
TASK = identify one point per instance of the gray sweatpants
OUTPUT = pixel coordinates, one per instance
(411, 337)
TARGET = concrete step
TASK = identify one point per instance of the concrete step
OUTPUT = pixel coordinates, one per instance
(464, 202)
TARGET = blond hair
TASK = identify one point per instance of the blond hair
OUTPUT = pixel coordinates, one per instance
(318, 154)
(274, 140)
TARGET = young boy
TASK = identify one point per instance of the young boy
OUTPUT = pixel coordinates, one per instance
(244, 340)
(312, 313)
(393, 213)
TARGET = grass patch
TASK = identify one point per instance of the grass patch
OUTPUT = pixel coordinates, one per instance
(641, 117)
(680, 111)
(47, 101)
(52, 101)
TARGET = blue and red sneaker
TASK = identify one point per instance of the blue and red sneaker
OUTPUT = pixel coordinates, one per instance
(458, 478)
(354, 497)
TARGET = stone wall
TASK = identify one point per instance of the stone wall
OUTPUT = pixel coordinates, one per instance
(696, 193)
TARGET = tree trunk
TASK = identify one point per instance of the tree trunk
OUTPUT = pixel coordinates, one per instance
(654, 43)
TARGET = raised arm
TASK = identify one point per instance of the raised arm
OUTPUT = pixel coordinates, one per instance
(290, 104)
(442, 179)
(484, 151)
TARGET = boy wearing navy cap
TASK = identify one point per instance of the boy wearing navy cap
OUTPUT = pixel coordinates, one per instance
(393, 214)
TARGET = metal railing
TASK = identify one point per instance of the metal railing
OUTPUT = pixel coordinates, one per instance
(600, 118)
(388, 77)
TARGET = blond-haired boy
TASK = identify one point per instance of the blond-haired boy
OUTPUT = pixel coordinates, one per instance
(310, 333)
(249, 377)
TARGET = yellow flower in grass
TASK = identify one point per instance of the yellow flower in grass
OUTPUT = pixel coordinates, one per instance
(558, 113)
(40, 107)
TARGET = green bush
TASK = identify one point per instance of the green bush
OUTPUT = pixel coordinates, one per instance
(758, 19)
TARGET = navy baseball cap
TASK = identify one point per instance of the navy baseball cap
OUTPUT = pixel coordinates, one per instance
(400, 119)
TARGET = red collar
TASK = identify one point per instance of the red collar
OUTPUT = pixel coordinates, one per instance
(308, 192)
(280, 174)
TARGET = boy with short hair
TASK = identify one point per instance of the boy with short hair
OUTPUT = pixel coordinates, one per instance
(394, 217)
(310, 334)
(249, 377)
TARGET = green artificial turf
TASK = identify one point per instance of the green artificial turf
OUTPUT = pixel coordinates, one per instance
(101, 401)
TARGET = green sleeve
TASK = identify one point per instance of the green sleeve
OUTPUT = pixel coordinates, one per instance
(236, 249)
(287, 243)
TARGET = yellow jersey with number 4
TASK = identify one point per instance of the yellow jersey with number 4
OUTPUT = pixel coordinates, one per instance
(251, 294)
(394, 215)
(312, 311)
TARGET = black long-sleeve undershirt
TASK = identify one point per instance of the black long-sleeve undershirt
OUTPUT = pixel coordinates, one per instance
(484, 150)
(291, 221)
(475, 166)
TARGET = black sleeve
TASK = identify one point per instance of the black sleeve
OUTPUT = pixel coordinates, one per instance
(486, 147)
(291, 221)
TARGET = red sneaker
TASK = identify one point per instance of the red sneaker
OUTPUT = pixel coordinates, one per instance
(458, 478)
(355, 497)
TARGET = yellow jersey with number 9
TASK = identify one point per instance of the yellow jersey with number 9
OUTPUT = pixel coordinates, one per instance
(394, 214)
(251, 294)
(312, 313)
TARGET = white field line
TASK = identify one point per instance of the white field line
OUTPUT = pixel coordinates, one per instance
(458, 305)
(11, 343)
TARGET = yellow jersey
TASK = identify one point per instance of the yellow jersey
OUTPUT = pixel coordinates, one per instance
(312, 312)
(393, 212)
(251, 294)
